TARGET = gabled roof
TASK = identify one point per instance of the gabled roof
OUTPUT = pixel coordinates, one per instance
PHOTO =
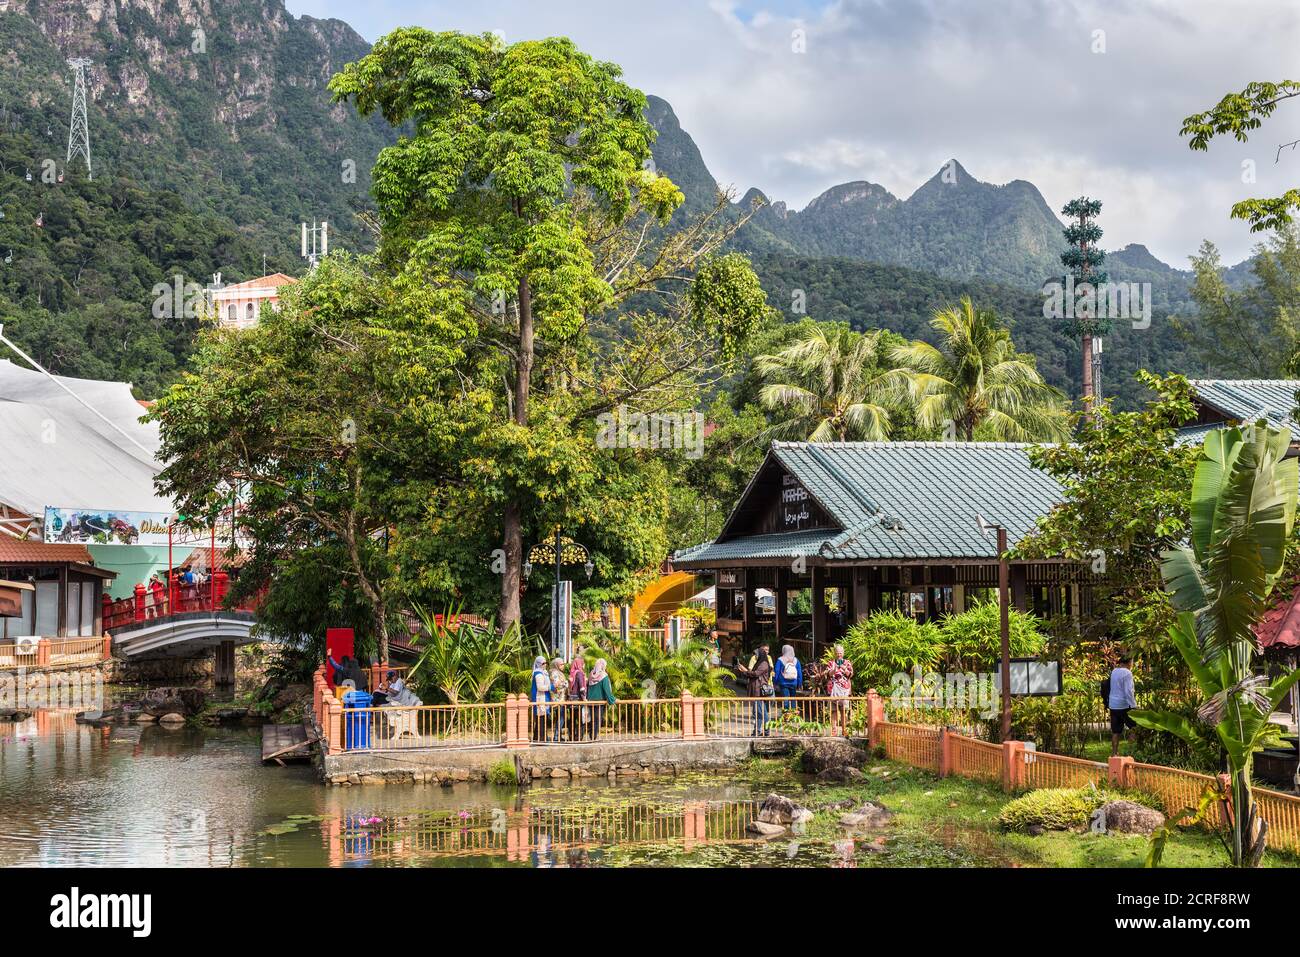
(897, 500)
(1243, 400)
(40, 553)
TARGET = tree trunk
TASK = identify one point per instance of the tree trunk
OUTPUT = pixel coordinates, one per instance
(512, 522)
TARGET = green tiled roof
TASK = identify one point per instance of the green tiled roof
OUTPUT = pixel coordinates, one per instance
(1244, 400)
(902, 500)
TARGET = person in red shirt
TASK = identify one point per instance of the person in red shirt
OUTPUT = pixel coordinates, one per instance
(157, 609)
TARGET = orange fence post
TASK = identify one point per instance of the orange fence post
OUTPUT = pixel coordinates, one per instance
(516, 721)
(42, 652)
(334, 724)
(1012, 764)
(945, 753)
(108, 647)
(1119, 767)
(875, 716)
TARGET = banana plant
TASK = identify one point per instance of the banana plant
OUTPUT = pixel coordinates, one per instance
(1242, 514)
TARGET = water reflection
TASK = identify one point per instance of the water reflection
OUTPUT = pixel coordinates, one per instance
(78, 795)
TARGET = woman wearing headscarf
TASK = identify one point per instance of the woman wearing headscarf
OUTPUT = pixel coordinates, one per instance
(540, 695)
(599, 688)
(580, 717)
(787, 678)
(559, 690)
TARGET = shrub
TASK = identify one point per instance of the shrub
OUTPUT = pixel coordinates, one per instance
(503, 772)
(1054, 809)
(887, 642)
(973, 640)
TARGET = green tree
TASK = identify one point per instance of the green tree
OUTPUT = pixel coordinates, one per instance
(832, 384)
(974, 379)
(1249, 332)
(1239, 114)
(1242, 507)
(311, 420)
(522, 188)
(1124, 480)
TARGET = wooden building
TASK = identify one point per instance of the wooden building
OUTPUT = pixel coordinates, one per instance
(65, 598)
(838, 530)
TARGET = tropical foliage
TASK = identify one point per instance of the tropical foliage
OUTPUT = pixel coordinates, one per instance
(642, 668)
(974, 380)
(1242, 509)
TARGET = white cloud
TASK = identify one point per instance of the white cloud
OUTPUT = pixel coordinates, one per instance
(888, 90)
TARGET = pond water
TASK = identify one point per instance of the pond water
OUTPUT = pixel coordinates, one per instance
(77, 795)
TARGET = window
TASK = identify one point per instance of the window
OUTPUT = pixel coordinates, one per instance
(250, 314)
(72, 610)
(47, 609)
(233, 313)
(88, 593)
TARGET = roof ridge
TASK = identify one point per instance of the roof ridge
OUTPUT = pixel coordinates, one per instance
(908, 444)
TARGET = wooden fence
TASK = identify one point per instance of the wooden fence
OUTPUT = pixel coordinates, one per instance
(55, 653)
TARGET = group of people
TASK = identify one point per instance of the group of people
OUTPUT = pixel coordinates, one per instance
(553, 690)
(190, 583)
(783, 677)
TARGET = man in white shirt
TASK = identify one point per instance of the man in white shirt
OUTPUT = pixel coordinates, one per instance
(1120, 702)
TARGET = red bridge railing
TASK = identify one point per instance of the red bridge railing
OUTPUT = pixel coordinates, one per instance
(149, 604)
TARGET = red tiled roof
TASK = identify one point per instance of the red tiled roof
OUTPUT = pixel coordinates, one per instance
(19, 550)
(1279, 627)
(198, 559)
(276, 280)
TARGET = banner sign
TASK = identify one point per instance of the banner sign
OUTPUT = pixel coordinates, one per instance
(105, 526)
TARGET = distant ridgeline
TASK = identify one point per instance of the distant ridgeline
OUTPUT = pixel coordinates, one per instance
(211, 142)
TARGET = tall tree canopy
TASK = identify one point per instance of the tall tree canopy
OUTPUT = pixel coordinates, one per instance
(523, 188)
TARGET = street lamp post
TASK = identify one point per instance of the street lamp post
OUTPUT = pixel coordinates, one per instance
(566, 551)
(1004, 615)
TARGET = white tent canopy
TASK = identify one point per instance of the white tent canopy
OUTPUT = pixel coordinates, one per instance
(56, 452)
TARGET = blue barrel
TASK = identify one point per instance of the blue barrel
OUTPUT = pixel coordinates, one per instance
(356, 725)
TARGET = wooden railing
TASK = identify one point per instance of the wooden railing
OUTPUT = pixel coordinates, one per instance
(148, 604)
(55, 653)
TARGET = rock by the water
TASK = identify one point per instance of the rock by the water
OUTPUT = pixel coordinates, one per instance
(840, 775)
(871, 814)
(172, 717)
(1125, 817)
(15, 714)
(182, 701)
(765, 829)
(288, 695)
(781, 810)
(818, 755)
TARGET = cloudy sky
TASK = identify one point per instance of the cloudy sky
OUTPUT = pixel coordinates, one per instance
(1076, 96)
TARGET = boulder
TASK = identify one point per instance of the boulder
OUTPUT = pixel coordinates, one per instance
(1125, 817)
(872, 814)
(288, 695)
(818, 755)
(781, 810)
(764, 829)
(841, 775)
(182, 701)
(172, 718)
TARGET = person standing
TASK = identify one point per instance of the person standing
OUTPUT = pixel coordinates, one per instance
(839, 687)
(539, 693)
(559, 691)
(581, 716)
(158, 590)
(758, 686)
(787, 679)
(1121, 699)
(601, 689)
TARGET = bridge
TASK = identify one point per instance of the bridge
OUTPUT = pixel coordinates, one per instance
(183, 621)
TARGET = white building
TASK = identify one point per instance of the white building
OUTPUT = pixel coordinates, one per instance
(239, 305)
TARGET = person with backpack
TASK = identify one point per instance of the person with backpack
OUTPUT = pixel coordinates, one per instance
(758, 686)
(1120, 697)
(539, 693)
(787, 679)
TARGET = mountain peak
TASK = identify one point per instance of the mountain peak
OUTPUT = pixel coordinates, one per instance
(857, 193)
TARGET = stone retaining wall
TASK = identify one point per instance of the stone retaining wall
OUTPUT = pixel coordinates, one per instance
(613, 760)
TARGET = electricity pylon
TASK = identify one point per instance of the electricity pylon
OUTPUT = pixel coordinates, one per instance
(78, 127)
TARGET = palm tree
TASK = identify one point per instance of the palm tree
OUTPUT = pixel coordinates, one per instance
(831, 384)
(976, 378)
(1242, 512)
